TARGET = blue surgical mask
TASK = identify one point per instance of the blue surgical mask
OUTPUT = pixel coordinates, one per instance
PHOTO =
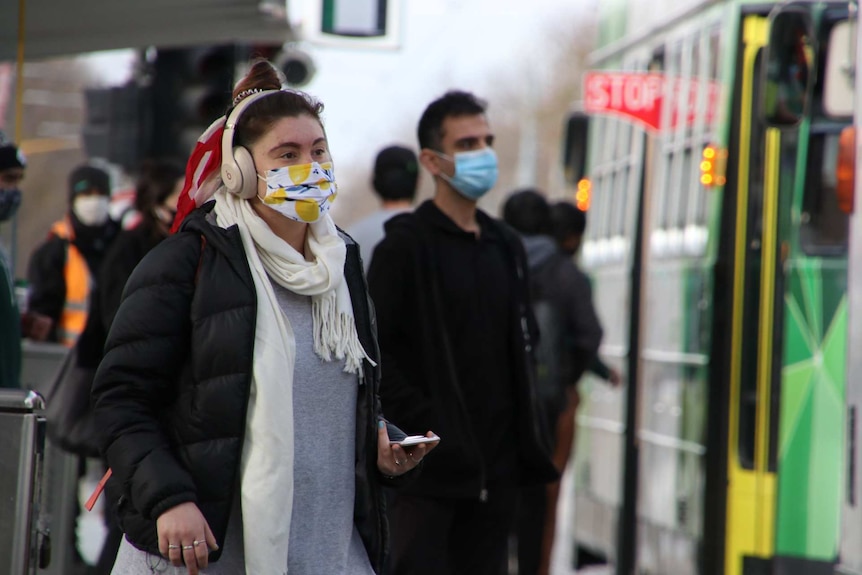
(475, 172)
(10, 199)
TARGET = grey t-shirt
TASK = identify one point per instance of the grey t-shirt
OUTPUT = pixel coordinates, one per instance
(369, 231)
(323, 537)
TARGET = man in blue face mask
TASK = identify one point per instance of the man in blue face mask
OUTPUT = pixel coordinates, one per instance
(456, 329)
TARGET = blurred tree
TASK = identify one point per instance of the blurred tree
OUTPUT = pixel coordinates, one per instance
(535, 103)
(553, 73)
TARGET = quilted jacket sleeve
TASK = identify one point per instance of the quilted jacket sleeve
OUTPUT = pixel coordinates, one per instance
(147, 347)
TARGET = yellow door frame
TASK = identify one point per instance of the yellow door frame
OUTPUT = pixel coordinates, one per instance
(750, 527)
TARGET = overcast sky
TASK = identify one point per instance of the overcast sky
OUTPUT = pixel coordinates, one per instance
(371, 97)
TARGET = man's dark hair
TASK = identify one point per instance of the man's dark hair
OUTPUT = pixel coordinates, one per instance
(567, 220)
(396, 171)
(528, 212)
(451, 104)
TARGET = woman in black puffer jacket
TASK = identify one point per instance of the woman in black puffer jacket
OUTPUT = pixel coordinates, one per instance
(238, 393)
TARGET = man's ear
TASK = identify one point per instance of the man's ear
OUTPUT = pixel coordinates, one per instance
(429, 160)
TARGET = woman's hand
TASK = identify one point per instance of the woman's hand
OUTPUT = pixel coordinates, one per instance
(392, 459)
(185, 537)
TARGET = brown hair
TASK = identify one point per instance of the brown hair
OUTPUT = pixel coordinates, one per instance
(155, 183)
(261, 115)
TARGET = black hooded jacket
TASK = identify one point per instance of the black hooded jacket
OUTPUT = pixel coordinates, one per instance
(172, 391)
(421, 389)
(563, 302)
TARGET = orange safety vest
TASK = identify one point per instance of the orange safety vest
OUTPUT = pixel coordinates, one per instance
(78, 285)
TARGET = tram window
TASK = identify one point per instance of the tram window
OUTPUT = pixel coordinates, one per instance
(838, 77)
(622, 201)
(603, 205)
(714, 46)
(665, 187)
(624, 139)
(664, 196)
(675, 60)
(824, 226)
(607, 203)
(599, 187)
(701, 202)
(687, 189)
(695, 57)
(677, 192)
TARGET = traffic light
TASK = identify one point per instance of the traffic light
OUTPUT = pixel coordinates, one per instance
(117, 124)
(191, 88)
(296, 65)
(292, 61)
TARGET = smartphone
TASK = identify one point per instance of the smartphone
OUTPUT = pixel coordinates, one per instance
(415, 440)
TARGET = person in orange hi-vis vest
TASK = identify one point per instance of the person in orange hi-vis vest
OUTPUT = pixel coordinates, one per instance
(62, 269)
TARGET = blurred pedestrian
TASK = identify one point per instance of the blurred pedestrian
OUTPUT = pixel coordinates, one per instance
(14, 322)
(63, 269)
(570, 334)
(158, 188)
(396, 172)
(568, 224)
(238, 392)
(450, 286)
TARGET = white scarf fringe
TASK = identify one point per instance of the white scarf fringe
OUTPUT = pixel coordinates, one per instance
(267, 457)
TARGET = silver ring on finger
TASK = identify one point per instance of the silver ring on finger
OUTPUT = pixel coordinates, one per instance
(197, 542)
(188, 546)
(172, 546)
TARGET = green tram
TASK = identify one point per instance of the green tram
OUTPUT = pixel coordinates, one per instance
(714, 148)
(850, 551)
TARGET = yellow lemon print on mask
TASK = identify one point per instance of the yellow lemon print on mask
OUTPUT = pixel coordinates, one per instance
(298, 174)
(307, 210)
(324, 185)
(331, 199)
(277, 197)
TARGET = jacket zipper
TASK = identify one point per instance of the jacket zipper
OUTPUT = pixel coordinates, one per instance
(483, 487)
(483, 475)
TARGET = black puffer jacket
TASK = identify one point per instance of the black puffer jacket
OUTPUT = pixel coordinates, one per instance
(172, 391)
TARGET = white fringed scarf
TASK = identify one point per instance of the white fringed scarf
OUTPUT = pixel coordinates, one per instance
(267, 455)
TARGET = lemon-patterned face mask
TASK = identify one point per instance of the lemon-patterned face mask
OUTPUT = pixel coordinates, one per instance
(303, 192)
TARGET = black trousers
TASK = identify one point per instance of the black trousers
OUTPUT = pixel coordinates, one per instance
(452, 536)
(530, 528)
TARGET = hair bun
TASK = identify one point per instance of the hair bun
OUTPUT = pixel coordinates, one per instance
(262, 76)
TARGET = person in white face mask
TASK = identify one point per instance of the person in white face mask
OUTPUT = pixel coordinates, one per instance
(62, 270)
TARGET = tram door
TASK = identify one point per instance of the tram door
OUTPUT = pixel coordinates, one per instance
(755, 324)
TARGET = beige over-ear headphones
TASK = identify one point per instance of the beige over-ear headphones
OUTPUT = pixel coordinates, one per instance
(237, 167)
